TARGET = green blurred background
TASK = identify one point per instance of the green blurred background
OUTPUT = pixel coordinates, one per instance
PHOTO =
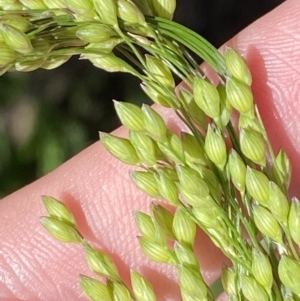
(47, 117)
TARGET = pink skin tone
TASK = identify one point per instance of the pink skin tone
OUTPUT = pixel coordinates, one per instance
(96, 187)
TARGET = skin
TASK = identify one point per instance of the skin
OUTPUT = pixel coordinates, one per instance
(97, 189)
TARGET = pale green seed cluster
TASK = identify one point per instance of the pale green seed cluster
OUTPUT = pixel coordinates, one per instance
(208, 178)
(62, 225)
(219, 176)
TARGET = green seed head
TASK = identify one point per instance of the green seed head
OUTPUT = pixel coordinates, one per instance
(93, 33)
(192, 198)
(237, 170)
(157, 95)
(159, 71)
(229, 281)
(278, 203)
(109, 62)
(207, 97)
(142, 288)
(107, 11)
(197, 114)
(154, 124)
(61, 230)
(130, 115)
(225, 107)
(121, 148)
(145, 225)
(215, 147)
(7, 55)
(267, 224)
(194, 153)
(262, 270)
(94, 289)
(191, 282)
(237, 66)
(163, 219)
(184, 228)
(252, 290)
(283, 168)
(145, 147)
(16, 39)
(55, 4)
(167, 188)
(101, 264)
(16, 21)
(253, 146)
(120, 292)
(172, 148)
(188, 178)
(35, 4)
(130, 13)
(164, 8)
(58, 209)
(294, 220)
(146, 182)
(186, 256)
(156, 251)
(239, 95)
(289, 273)
(257, 185)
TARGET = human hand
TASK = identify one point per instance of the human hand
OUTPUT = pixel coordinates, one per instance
(97, 189)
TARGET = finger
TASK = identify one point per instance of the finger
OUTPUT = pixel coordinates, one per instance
(96, 187)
